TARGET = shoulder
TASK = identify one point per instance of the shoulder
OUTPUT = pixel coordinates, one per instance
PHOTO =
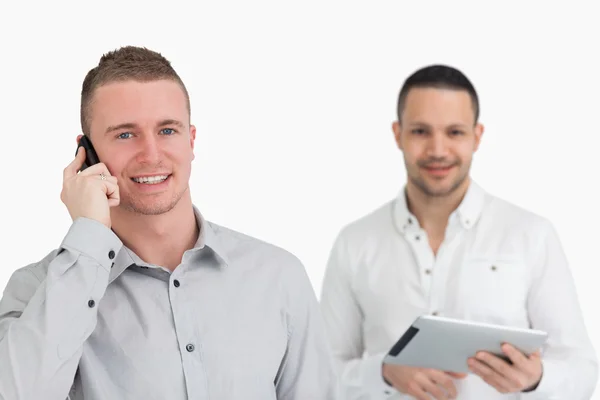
(274, 271)
(375, 224)
(504, 213)
(246, 251)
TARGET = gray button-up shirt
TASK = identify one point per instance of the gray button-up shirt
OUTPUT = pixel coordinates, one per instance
(237, 319)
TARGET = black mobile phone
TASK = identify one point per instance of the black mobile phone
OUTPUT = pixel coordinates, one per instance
(91, 157)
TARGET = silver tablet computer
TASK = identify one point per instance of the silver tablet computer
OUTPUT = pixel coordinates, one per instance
(446, 344)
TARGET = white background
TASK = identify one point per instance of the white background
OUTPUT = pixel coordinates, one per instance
(294, 104)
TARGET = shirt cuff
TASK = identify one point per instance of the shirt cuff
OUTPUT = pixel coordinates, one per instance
(93, 239)
(374, 377)
(545, 389)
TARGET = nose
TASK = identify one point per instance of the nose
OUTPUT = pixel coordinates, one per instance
(149, 150)
(437, 145)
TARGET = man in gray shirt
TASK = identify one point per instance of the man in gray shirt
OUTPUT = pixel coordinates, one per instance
(144, 299)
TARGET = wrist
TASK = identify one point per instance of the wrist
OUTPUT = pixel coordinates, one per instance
(384, 377)
(535, 385)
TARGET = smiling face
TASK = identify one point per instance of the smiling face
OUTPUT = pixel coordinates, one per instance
(141, 131)
(438, 136)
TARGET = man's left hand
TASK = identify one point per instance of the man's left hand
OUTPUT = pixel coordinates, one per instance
(524, 374)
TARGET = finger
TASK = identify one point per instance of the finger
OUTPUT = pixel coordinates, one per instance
(457, 375)
(497, 364)
(416, 391)
(490, 376)
(109, 178)
(429, 386)
(96, 169)
(74, 166)
(519, 360)
(112, 190)
(113, 202)
(499, 386)
(442, 379)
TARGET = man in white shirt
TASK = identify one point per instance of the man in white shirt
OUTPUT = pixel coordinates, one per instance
(446, 247)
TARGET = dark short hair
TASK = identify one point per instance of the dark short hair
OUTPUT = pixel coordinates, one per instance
(441, 77)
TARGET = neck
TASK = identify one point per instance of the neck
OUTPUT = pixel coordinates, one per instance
(433, 212)
(158, 239)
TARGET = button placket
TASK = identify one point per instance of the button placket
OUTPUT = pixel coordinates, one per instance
(182, 330)
(423, 255)
(446, 257)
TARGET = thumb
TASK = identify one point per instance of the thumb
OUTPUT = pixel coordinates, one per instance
(457, 375)
(73, 167)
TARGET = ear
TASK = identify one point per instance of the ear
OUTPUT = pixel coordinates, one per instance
(479, 128)
(192, 139)
(397, 129)
(78, 138)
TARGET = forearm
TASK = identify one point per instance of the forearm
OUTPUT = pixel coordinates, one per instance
(571, 377)
(41, 337)
(362, 377)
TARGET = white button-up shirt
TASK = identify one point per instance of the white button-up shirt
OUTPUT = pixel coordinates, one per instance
(498, 263)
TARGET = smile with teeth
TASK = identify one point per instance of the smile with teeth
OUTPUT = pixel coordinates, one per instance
(151, 180)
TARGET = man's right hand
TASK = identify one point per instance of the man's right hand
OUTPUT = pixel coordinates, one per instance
(86, 194)
(421, 383)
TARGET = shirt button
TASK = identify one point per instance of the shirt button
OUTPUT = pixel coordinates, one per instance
(111, 254)
(176, 283)
(428, 271)
(190, 347)
(91, 303)
(418, 237)
(435, 313)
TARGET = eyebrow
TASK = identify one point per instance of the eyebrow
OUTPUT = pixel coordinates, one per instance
(171, 122)
(456, 125)
(119, 127)
(131, 125)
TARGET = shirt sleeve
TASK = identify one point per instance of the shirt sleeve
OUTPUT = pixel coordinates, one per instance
(307, 371)
(44, 320)
(570, 366)
(360, 373)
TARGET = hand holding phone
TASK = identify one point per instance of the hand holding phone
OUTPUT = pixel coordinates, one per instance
(89, 190)
(91, 157)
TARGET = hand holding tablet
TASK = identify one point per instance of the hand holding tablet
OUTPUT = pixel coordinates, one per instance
(446, 344)
(505, 357)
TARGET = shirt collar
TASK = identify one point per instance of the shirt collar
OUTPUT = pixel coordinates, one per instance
(471, 207)
(207, 238)
(467, 213)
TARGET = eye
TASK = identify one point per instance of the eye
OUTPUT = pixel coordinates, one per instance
(418, 131)
(456, 132)
(167, 131)
(123, 135)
